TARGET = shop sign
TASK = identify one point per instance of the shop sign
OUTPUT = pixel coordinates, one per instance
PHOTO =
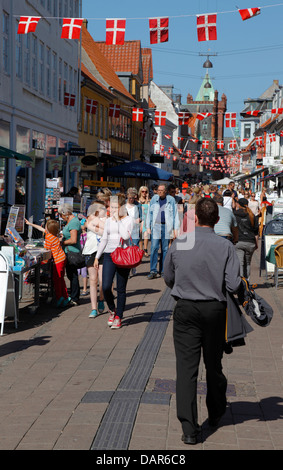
(102, 184)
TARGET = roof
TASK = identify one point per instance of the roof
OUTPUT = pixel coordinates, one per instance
(270, 91)
(98, 65)
(205, 92)
(88, 74)
(123, 58)
(147, 65)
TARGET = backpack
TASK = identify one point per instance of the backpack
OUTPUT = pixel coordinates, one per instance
(254, 305)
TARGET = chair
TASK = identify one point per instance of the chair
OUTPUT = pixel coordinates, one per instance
(278, 251)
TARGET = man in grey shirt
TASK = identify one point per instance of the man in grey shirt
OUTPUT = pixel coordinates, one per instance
(227, 225)
(199, 278)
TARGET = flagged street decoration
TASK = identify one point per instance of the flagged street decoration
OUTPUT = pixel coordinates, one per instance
(206, 27)
(247, 13)
(159, 30)
(71, 28)
(115, 31)
(28, 24)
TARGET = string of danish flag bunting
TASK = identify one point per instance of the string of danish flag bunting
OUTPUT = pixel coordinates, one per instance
(206, 25)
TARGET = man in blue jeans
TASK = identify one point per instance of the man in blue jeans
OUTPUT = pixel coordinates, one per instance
(162, 222)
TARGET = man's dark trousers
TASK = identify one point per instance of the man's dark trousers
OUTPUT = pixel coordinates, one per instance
(199, 325)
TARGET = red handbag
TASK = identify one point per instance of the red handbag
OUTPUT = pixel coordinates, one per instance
(129, 257)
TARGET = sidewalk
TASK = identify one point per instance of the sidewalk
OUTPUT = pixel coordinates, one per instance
(71, 383)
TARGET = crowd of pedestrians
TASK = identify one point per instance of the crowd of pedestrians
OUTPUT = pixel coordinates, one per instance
(139, 216)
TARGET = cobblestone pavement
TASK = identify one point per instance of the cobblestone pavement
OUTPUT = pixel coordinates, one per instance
(68, 382)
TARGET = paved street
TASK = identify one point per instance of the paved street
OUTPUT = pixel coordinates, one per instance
(71, 383)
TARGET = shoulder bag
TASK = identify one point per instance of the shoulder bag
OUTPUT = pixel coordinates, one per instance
(129, 257)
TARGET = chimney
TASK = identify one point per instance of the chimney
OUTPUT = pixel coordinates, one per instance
(85, 23)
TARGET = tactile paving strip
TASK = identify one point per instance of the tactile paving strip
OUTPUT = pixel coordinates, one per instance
(116, 427)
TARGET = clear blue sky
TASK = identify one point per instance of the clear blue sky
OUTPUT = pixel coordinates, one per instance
(249, 53)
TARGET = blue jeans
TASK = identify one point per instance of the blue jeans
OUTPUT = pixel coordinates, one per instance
(108, 272)
(157, 238)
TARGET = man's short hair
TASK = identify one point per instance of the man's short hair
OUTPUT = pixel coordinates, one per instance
(207, 211)
(218, 198)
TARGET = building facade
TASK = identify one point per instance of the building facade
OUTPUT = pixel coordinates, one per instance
(36, 71)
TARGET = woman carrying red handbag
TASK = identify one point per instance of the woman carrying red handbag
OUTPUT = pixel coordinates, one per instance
(118, 225)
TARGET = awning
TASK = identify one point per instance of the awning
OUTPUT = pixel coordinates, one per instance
(139, 169)
(7, 153)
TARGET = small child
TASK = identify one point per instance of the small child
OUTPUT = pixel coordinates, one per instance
(53, 244)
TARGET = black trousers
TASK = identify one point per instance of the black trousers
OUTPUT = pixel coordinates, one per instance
(199, 326)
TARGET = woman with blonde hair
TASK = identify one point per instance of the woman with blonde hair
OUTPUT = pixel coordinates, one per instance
(143, 198)
(248, 236)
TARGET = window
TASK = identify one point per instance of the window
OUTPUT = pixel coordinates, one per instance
(65, 77)
(34, 63)
(27, 59)
(54, 75)
(19, 54)
(85, 116)
(91, 124)
(97, 121)
(41, 67)
(101, 121)
(106, 123)
(48, 72)
(6, 45)
(247, 131)
(60, 81)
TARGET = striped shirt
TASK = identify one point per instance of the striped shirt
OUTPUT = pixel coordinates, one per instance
(227, 220)
(52, 243)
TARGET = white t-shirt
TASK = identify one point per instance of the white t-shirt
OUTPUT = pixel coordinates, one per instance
(113, 232)
(227, 202)
(133, 212)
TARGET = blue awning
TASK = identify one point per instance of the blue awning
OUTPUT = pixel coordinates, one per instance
(139, 169)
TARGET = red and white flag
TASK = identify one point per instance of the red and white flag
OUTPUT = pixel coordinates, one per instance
(230, 119)
(69, 99)
(233, 144)
(205, 144)
(154, 136)
(277, 111)
(220, 144)
(160, 118)
(281, 133)
(167, 136)
(161, 148)
(188, 153)
(194, 140)
(91, 106)
(143, 133)
(170, 150)
(114, 110)
(258, 141)
(137, 114)
(202, 116)
(71, 28)
(247, 13)
(184, 118)
(159, 30)
(254, 113)
(115, 31)
(28, 24)
(272, 137)
(206, 27)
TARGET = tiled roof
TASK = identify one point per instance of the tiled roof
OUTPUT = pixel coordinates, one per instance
(147, 65)
(123, 58)
(88, 74)
(104, 70)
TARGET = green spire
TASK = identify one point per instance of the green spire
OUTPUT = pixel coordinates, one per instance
(205, 94)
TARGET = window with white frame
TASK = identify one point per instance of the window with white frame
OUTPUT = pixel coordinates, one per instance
(247, 131)
(34, 63)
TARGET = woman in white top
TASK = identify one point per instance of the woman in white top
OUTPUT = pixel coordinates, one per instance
(228, 200)
(118, 225)
(95, 227)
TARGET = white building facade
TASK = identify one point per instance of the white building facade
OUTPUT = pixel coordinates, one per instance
(36, 70)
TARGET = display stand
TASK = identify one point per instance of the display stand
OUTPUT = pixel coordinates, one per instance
(272, 231)
(7, 293)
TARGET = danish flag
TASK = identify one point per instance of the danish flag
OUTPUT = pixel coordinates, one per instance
(154, 136)
(272, 137)
(137, 114)
(28, 24)
(277, 111)
(230, 119)
(253, 113)
(69, 99)
(170, 150)
(206, 27)
(91, 106)
(258, 141)
(205, 144)
(160, 118)
(183, 118)
(71, 28)
(220, 144)
(202, 116)
(159, 30)
(233, 144)
(247, 13)
(143, 133)
(115, 31)
(114, 110)
(188, 153)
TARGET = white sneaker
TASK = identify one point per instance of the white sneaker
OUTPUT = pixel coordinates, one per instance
(116, 323)
(111, 318)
